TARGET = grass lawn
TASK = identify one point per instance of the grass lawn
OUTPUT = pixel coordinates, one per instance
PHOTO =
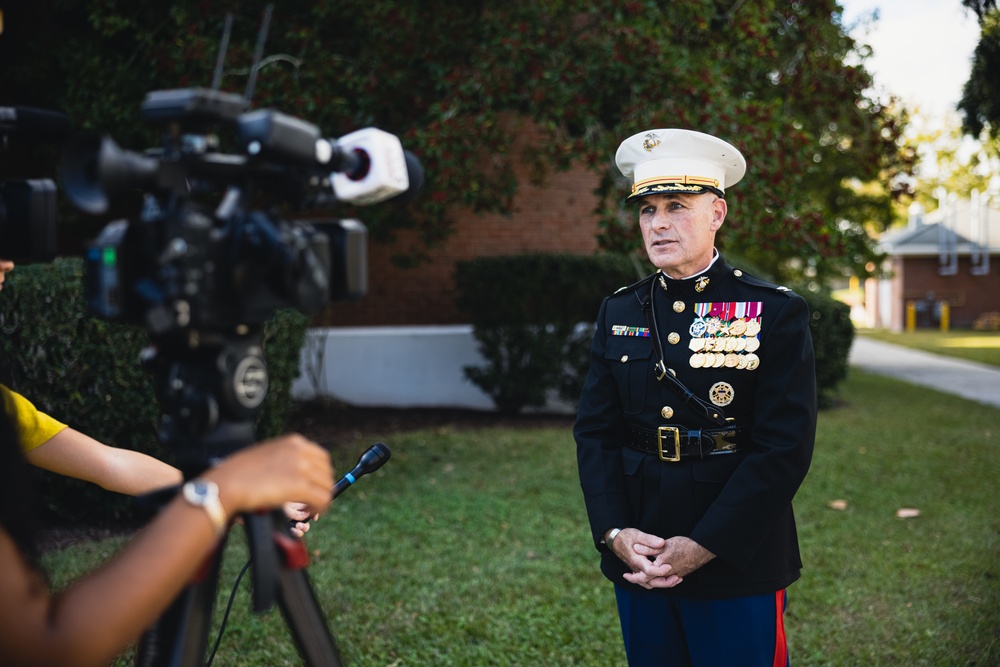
(981, 346)
(471, 548)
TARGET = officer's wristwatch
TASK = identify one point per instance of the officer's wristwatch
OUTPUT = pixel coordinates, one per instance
(205, 494)
(612, 534)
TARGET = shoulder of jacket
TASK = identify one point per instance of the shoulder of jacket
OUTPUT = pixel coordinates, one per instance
(754, 281)
(628, 289)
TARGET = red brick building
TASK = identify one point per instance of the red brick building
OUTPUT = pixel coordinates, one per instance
(950, 256)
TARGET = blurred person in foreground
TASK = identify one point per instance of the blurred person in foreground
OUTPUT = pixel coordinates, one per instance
(696, 424)
(99, 615)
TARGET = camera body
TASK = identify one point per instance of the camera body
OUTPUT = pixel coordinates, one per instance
(205, 277)
(28, 206)
(28, 220)
(200, 255)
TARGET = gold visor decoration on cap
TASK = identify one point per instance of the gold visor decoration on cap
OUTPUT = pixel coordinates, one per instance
(681, 184)
(679, 180)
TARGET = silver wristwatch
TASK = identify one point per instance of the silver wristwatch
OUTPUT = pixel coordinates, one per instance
(612, 534)
(205, 494)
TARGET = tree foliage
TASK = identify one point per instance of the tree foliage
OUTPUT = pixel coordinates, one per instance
(980, 7)
(980, 103)
(947, 162)
(457, 81)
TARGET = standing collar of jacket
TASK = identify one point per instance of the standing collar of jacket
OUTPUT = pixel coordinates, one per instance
(688, 288)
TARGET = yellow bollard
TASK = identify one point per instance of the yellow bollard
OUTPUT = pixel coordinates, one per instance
(911, 316)
(945, 315)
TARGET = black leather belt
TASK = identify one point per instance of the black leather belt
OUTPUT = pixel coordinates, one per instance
(673, 443)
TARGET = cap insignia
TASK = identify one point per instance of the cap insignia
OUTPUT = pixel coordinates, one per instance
(650, 141)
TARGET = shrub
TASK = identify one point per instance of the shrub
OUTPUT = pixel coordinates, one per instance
(832, 333)
(284, 335)
(85, 372)
(525, 312)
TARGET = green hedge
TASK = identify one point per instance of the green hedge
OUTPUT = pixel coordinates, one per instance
(529, 315)
(832, 333)
(85, 372)
(526, 312)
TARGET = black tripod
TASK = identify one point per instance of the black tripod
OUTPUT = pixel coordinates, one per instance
(210, 388)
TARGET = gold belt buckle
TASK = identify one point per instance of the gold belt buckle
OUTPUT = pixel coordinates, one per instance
(667, 430)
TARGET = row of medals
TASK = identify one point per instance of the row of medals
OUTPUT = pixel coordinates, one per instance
(731, 344)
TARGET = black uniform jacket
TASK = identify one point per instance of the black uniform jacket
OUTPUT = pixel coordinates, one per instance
(762, 375)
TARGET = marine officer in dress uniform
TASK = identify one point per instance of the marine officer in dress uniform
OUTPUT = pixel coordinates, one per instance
(696, 424)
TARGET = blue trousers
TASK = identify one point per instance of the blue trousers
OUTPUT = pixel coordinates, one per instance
(676, 631)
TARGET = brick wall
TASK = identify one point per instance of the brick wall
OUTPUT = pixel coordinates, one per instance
(968, 296)
(557, 217)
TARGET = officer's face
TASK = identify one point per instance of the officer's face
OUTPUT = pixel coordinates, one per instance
(679, 230)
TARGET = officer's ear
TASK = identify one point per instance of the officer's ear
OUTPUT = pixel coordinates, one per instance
(719, 210)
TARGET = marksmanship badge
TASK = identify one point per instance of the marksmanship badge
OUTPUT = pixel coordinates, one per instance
(721, 393)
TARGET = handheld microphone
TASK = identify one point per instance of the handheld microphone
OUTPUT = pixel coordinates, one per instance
(371, 460)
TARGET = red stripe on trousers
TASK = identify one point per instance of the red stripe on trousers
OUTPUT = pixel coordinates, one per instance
(780, 641)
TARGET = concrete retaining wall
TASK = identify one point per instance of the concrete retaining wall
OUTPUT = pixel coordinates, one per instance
(402, 367)
(407, 367)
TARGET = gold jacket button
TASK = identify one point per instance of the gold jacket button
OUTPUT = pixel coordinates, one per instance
(674, 338)
(678, 306)
(624, 358)
(737, 273)
(667, 412)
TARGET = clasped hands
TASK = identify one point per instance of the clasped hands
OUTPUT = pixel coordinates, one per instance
(656, 562)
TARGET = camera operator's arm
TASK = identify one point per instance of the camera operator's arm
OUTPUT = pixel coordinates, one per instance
(69, 452)
(50, 444)
(98, 616)
(75, 454)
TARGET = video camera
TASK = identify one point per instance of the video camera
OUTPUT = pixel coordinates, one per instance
(28, 206)
(190, 262)
(202, 265)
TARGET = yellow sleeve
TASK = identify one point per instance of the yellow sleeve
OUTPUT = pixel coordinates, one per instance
(33, 427)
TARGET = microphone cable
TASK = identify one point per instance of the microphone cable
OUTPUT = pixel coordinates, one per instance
(229, 607)
(370, 460)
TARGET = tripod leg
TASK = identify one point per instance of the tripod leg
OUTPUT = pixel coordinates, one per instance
(180, 636)
(304, 617)
(259, 529)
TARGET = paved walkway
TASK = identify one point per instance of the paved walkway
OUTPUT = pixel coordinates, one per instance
(968, 379)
